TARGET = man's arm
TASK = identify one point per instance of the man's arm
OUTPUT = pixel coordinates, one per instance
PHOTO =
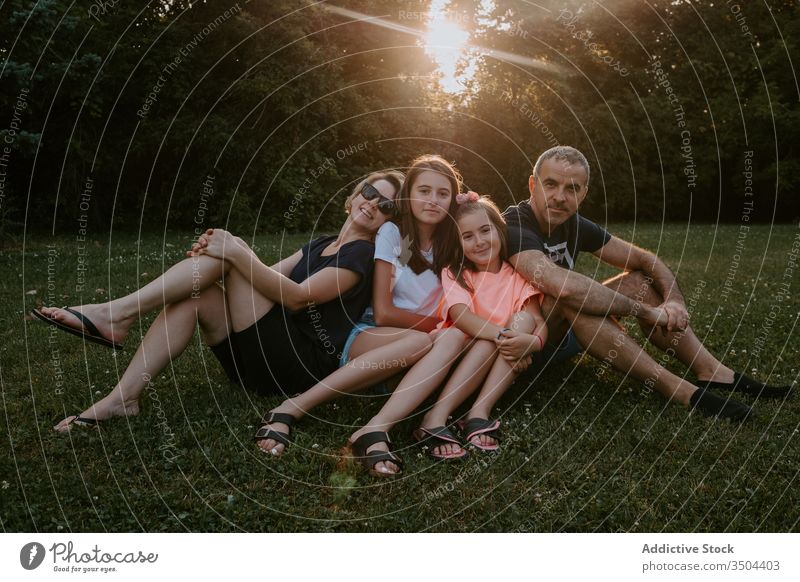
(624, 255)
(580, 292)
(628, 257)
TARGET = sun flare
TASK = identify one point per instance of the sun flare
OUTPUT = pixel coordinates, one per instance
(446, 44)
(445, 36)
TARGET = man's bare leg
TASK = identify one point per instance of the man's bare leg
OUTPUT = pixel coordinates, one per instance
(683, 345)
(603, 339)
(687, 347)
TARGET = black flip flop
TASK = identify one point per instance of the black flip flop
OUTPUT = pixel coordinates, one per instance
(79, 420)
(89, 332)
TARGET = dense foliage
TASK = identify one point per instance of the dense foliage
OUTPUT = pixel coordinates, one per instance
(261, 115)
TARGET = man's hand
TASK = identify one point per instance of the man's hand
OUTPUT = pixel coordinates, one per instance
(678, 315)
(654, 316)
(669, 316)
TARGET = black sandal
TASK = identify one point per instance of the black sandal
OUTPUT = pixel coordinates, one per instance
(264, 433)
(435, 437)
(369, 460)
(78, 420)
(89, 332)
(477, 426)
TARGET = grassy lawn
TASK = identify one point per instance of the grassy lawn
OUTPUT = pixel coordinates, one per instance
(585, 450)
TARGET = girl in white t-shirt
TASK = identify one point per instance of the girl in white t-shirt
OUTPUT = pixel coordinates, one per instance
(449, 342)
(406, 297)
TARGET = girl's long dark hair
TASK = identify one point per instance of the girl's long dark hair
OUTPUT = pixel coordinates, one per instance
(458, 262)
(443, 250)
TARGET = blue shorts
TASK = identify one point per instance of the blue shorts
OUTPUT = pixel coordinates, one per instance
(367, 321)
(568, 348)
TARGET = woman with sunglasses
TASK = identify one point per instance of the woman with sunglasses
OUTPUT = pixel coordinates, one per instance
(394, 334)
(270, 327)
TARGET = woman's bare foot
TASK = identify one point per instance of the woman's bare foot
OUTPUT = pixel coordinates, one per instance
(109, 407)
(99, 314)
(383, 466)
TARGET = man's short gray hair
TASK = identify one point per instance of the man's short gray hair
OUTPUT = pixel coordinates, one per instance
(563, 153)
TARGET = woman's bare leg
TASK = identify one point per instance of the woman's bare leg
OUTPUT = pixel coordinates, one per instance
(184, 280)
(379, 354)
(417, 385)
(166, 339)
(481, 360)
(245, 304)
(218, 314)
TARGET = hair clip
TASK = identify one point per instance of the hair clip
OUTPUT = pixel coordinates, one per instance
(467, 197)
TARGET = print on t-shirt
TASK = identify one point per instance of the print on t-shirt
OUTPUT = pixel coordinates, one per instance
(561, 246)
(558, 253)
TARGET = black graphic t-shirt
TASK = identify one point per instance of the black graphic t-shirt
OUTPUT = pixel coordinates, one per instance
(562, 246)
(330, 323)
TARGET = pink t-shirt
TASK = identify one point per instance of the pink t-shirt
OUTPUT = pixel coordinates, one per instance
(496, 297)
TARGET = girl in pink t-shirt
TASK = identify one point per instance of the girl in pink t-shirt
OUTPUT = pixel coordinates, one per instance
(488, 300)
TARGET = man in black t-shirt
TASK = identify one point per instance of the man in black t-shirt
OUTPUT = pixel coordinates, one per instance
(546, 233)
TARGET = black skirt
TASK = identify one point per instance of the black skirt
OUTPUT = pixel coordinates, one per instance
(273, 357)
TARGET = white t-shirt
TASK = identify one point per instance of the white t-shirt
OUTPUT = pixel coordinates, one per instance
(418, 294)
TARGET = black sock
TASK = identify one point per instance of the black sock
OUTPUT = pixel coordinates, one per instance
(712, 405)
(746, 385)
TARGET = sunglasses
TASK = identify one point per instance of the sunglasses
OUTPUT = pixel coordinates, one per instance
(386, 206)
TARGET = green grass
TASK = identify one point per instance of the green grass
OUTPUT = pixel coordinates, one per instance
(584, 451)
